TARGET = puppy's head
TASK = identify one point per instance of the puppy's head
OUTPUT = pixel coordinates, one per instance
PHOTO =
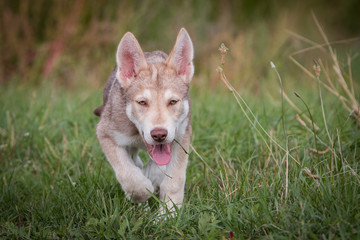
(157, 92)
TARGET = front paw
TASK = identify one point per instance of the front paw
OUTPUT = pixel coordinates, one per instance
(138, 191)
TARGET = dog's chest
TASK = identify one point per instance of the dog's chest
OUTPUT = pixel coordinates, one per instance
(124, 140)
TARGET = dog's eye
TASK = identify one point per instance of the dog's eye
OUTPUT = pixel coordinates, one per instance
(173, 102)
(142, 103)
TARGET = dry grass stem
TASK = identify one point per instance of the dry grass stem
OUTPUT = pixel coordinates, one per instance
(223, 78)
(319, 152)
(242, 102)
(307, 172)
(350, 75)
(302, 123)
(354, 104)
(349, 102)
(299, 111)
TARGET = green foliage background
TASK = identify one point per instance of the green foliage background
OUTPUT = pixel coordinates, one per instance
(45, 38)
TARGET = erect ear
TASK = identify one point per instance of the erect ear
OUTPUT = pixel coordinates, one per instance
(181, 56)
(130, 59)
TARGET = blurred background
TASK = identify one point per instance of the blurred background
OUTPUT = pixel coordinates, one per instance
(73, 43)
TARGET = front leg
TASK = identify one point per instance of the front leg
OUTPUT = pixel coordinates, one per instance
(155, 174)
(172, 188)
(131, 178)
(135, 157)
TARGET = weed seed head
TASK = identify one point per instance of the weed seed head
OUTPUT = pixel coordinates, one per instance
(272, 64)
(223, 50)
(316, 68)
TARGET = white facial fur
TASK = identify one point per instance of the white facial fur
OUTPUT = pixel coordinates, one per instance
(159, 114)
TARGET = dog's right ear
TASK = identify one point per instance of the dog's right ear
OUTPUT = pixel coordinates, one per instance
(130, 59)
(181, 56)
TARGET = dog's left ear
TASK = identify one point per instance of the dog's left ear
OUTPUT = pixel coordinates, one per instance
(181, 56)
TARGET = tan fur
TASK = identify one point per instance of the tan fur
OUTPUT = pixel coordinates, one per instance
(125, 125)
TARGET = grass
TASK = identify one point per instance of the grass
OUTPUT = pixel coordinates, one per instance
(264, 163)
(56, 183)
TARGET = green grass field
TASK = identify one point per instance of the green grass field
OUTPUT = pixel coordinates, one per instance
(56, 183)
(262, 164)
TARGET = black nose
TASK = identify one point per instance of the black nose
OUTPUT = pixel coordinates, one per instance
(159, 134)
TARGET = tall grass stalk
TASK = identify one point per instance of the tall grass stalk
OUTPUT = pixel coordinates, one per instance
(239, 99)
(348, 99)
(317, 69)
(312, 120)
(284, 130)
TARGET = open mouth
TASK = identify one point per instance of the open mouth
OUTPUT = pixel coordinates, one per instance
(160, 153)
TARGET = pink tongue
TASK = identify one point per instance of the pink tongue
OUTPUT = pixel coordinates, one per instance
(161, 154)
